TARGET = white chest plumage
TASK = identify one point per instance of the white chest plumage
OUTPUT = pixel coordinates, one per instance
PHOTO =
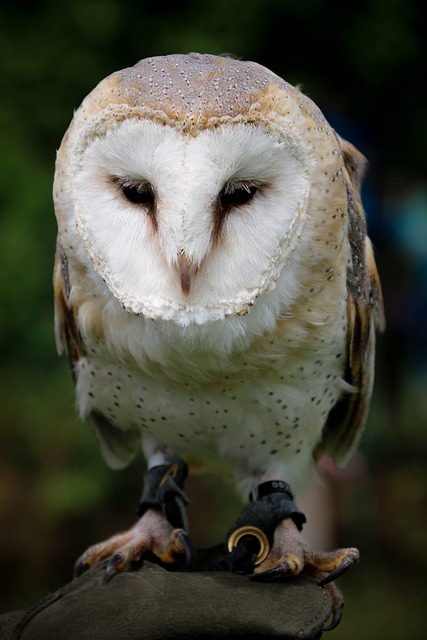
(261, 402)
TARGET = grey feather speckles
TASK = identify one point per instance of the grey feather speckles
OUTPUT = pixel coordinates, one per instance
(196, 84)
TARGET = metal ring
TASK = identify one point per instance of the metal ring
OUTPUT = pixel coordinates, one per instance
(255, 532)
(172, 471)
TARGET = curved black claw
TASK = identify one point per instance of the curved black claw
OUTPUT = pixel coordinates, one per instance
(185, 540)
(337, 617)
(79, 566)
(346, 564)
(276, 572)
(110, 569)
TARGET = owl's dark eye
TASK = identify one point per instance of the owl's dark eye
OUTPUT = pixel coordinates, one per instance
(138, 193)
(234, 195)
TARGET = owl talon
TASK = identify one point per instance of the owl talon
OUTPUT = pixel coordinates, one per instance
(277, 572)
(79, 566)
(112, 566)
(184, 539)
(336, 619)
(337, 601)
(351, 559)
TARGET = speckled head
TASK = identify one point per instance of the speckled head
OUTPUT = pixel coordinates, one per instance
(195, 88)
(191, 89)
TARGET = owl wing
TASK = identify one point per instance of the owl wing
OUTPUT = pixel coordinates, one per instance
(117, 446)
(67, 335)
(365, 314)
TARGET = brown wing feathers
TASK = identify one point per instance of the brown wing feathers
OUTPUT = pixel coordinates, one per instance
(365, 313)
(66, 331)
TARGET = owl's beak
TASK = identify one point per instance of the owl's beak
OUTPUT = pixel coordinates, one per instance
(186, 270)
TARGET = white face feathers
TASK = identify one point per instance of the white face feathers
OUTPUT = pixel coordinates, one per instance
(189, 225)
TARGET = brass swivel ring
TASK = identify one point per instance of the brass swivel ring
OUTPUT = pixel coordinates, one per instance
(255, 532)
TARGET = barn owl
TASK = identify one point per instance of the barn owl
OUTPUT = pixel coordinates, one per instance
(215, 290)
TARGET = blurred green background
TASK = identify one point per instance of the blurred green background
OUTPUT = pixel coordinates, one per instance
(364, 64)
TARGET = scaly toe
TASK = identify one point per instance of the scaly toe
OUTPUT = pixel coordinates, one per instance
(346, 559)
(275, 565)
(97, 553)
(152, 533)
(177, 544)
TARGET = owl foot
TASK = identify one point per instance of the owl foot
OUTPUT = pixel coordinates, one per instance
(152, 533)
(161, 529)
(249, 539)
(291, 555)
(266, 542)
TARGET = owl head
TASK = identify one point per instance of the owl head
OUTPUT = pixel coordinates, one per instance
(187, 186)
